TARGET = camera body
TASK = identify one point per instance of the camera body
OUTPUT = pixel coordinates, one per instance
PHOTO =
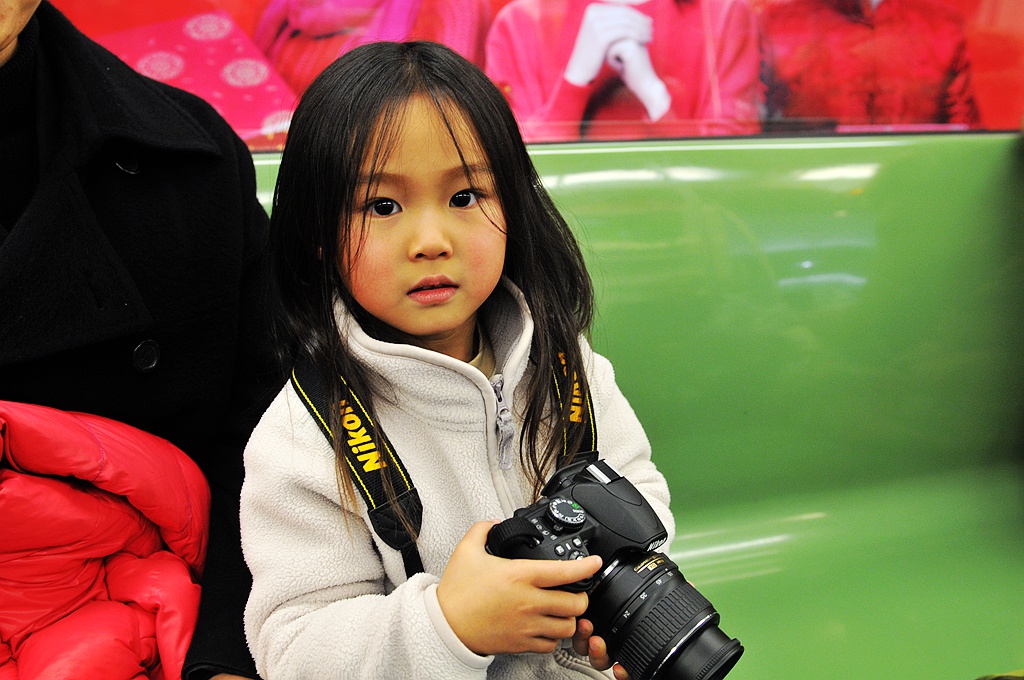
(585, 509)
(655, 624)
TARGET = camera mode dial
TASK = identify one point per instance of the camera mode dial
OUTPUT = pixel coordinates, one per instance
(566, 513)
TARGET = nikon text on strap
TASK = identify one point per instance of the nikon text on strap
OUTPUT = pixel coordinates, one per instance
(366, 463)
(581, 414)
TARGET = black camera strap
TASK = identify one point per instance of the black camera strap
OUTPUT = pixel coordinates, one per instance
(581, 414)
(368, 465)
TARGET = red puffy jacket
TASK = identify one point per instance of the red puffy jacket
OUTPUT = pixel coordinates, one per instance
(102, 544)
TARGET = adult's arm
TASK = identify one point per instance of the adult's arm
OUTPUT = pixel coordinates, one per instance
(219, 645)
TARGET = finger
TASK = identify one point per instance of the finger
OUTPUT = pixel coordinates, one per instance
(542, 645)
(598, 653)
(544, 633)
(554, 573)
(619, 672)
(562, 604)
(581, 640)
(558, 628)
(481, 528)
(477, 534)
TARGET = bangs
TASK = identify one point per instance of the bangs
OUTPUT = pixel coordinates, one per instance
(382, 139)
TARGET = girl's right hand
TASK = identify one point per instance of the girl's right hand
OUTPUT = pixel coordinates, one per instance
(501, 606)
(604, 24)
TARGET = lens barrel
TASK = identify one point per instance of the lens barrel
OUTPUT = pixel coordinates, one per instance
(657, 625)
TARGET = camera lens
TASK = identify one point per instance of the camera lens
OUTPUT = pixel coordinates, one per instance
(656, 624)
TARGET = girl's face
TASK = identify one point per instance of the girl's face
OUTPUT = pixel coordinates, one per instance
(428, 246)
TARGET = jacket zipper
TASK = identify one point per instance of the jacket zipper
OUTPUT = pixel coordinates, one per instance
(505, 428)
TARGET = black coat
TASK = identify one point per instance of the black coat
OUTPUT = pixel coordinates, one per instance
(131, 286)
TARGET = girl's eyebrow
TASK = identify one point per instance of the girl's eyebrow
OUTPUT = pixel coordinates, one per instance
(472, 169)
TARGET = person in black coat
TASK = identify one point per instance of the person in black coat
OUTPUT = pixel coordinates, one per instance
(131, 277)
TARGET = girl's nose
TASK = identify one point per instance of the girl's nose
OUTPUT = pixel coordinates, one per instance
(430, 239)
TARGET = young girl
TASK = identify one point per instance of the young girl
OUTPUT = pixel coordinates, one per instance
(421, 261)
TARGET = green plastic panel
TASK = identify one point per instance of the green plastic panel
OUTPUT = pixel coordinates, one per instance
(911, 579)
(790, 314)
(823, 338)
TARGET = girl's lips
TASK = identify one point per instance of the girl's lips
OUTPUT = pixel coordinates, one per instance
(433, 296)
(433, 290)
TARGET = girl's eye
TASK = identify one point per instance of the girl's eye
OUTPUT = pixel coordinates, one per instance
(466, 198)
(384, 207)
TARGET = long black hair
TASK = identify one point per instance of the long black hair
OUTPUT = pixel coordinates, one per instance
(335, 135)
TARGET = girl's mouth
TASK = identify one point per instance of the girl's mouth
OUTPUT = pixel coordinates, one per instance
(433, 290)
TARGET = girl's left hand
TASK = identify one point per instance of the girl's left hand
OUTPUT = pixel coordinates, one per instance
(585, 643)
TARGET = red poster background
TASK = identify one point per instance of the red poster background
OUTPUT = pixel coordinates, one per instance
(994, 28)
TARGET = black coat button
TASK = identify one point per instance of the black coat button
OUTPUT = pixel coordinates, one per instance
(128, 162)
(146, 356)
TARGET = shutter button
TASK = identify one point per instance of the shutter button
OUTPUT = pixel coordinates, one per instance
(146, 356)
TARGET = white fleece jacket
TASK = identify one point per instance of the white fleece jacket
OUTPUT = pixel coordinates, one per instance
(329, 598)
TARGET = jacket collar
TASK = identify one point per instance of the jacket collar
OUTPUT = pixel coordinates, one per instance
(508, 323)
(418, 372)
(98, 98)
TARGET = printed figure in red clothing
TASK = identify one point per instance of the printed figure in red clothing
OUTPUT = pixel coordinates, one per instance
(899, 63)
(301, 37)
(627, 68)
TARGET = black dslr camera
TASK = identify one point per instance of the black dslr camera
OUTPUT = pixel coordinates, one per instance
(656, 625)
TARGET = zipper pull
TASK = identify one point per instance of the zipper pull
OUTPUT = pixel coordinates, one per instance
(505, 427)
